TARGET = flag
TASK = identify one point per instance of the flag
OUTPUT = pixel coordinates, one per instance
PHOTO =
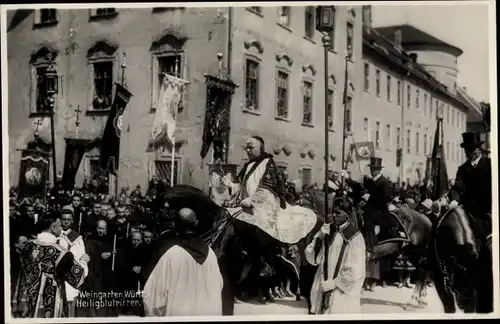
(438, 172)
(75, 149)
(171, 91)
(33, 175)
(216, 128)
(110, 144)
(364, 150)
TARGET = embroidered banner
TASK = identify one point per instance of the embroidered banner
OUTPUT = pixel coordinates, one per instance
(33, 175)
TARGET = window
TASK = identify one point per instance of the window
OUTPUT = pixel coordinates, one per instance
(310, 22)
(365, 124)
(377, 82)
(425, 145)
(366, 128)
(252, 85)
(453, 117)
(447, 114)
(163, 170)
(398, 137)
(431, 144)
(348, 115)
(431, 109)
(425, 104)
(399, 93)
(103, 85)
(42, 102)
(95, 167)
(284, 16)
(417, 98)
(417, 143)
(307, 103)
(350, 37)
(452, 157)
(388, 137)
(282, 95)
(408, 96)
(170, 64)
(367, 77)
(256, 9)
(447, 149)
(377, 135)
(389, 81)
(103, 13)
(408, 141)
(306, 177)
(47, 16)
(330, 108)
(437, 108)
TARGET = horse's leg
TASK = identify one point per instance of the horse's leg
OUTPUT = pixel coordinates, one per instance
(447, 299)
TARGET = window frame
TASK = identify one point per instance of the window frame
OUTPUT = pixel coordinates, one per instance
(289, 17)
(378, 82)
(99, 56)
(94, 16)
(167, 159)
(37, 21)
(408, 96)
(408, 141)
(350, 35)
(258, 62)
(310, 168)
(377, 135)
(400, 93)
(39, 60)
(311, 102)
(366, 82)
(388, 135)
(309, 26)
(288, 116)
(93, 86)
(389, 90)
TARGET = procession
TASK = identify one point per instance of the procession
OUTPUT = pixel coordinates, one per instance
(201, 234)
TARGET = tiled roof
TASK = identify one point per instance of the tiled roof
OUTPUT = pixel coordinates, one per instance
(399, 59)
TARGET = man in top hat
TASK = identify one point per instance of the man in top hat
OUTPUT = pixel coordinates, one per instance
(472, 189)
(378, 204)
(472, 186)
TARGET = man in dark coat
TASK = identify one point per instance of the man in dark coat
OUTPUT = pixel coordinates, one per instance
(378, 221)
(472, 187)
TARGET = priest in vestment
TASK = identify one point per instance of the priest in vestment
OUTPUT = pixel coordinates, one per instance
(261, 191)
(346, 268)
(72, 241)
(186, 280)
(45, 266)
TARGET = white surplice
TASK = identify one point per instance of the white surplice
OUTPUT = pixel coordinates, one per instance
(288, 225)
(180, 286)
(346, 297)
(77, 248)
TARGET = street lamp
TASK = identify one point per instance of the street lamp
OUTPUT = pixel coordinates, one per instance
(51, 82)
(325, 23)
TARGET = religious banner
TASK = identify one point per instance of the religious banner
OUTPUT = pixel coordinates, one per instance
(218, 192)
(164, 123)
(217, 125)
(364, 150)
(110, 144)
(439, 174)
(33, 175)
(75, 150)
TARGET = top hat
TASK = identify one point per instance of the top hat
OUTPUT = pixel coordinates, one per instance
(471, 140)
(375, 163)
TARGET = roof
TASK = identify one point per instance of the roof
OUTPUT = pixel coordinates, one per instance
(465, 97)
(376, 44)
(412, 37)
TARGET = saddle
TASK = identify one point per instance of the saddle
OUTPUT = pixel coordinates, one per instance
(393, 231)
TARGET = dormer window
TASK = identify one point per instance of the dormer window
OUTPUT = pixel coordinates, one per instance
(45, 17)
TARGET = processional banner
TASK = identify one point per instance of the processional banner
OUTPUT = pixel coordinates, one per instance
(33, 175)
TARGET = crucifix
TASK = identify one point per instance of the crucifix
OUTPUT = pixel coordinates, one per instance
(37, 123)
(77, 121)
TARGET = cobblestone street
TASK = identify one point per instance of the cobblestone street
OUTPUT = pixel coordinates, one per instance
(389, 300)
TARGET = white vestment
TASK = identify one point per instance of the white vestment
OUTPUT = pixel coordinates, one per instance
(77, 248)
(288, 225)
(346, 297)
(180, 286)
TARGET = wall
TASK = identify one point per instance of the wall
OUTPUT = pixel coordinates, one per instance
(133, 30)
(275, 39)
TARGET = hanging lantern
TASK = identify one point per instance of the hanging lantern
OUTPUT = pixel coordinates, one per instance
(325, 18)
(51, 79)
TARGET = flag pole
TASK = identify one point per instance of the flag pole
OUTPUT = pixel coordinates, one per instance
(174, 113)
(124, 66)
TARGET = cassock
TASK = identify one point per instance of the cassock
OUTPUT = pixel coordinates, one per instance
(263, 182)
(40, 292)
(346, 297)
(186, 281)
(72, 241)
(100, 278)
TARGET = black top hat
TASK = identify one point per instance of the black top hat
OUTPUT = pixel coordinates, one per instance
(375, 163)
(471, 140)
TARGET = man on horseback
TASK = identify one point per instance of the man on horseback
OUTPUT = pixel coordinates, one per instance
(472, 188)
(378, 205)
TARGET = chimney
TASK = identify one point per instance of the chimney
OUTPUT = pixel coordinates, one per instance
(367, 18)
(413, 57)
(398, 38)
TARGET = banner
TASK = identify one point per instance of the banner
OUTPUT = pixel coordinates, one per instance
(33, 175)
(439, 174)
(217, 125)
(364, 150)
(110, 144)
(399, 155)
(75, 150)
(164, 123)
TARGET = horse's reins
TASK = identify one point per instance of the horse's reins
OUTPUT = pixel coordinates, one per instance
(211, 235)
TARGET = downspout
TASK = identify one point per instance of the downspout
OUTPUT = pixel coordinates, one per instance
(229, 63)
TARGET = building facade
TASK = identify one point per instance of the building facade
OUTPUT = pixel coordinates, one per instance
(274, 54)
(409, 78)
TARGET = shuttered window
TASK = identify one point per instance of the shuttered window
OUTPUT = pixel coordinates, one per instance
(163, 170)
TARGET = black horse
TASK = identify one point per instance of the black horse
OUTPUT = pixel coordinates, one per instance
(463, 268)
